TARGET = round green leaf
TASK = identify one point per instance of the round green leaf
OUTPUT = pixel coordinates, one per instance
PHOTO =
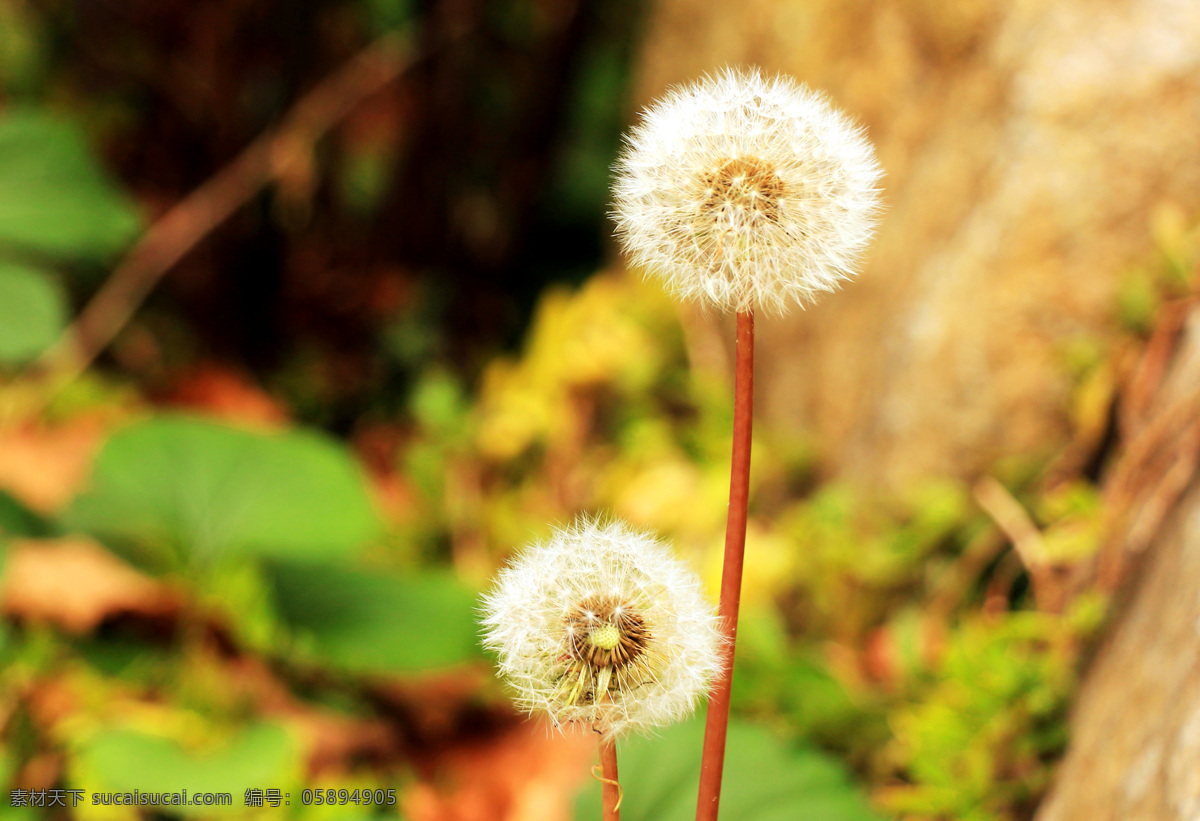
(260, 756)
(765, 779)
(32, 312)
(370, 622)
(207, 489)
(55, 199)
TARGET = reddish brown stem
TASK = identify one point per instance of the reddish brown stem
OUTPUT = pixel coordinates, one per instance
(611, 786)
(713, 761)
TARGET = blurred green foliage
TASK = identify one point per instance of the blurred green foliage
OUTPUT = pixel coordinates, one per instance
(1170, 275)
(269, 544)
(765, 779)
(55, 201)
(183, 493)
(357, 621)
(988, 718)
(895, 632)
(18, 520)
(57, 207)
(862, 634)
(125, 760)
(861, 630)
(32, 312)
(24, 49)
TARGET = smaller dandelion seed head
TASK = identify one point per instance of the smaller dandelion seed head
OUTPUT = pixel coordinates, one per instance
(745, 192)
(636, 656)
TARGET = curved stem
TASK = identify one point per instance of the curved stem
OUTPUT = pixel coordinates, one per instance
(717, 725)
(611, 786)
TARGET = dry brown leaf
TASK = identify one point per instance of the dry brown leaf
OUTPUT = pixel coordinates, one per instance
(528, 774)
(432, 702)
(44, 465)
(334, 742)
(75, 584)
(225, 393)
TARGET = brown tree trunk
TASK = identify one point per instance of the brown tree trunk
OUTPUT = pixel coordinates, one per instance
(1135, 746)
(1135, 743)
(1028, 148)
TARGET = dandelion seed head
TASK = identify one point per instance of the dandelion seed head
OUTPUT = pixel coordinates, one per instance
(601, 625)
(743, 192)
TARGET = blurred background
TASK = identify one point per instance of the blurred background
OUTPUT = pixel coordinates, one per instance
(310, 315)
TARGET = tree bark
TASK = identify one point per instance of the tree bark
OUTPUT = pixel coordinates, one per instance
(1135, 730)
(1029, 149)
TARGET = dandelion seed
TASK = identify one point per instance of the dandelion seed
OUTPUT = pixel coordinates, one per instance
(600, 625)
(746, 193)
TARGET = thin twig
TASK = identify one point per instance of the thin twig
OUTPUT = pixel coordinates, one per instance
(168, 240)
(1012, 518)
(1146, 381)
(717, 724)
(1015, 522)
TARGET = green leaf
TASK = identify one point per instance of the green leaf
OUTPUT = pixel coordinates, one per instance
(18, 520)
(55, 199)
(372, 622)
(32, 311)
(765, 779)
(8, 768)
(25, 49)
(122, 760)
(209, 490)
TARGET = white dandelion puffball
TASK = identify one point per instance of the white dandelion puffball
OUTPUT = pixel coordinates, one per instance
(744, 193)
(602, 626)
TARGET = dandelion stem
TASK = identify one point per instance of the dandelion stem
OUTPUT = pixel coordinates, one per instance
(713, 761)
(611, 787)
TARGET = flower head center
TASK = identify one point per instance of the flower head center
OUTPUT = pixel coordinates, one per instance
(742, 188)
(606, 637)
(603, 631)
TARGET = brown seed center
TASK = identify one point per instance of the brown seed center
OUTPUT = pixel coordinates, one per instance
(590, 627)
(748, 185)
